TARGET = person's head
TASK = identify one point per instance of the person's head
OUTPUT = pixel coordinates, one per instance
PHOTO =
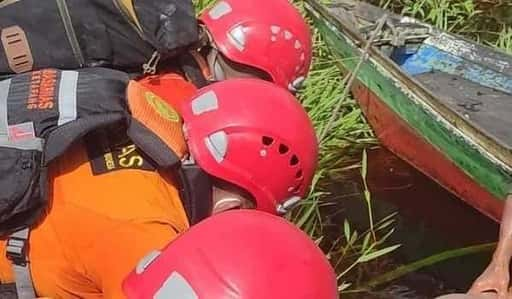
(267, 39)
(239, 255)
(257, 142)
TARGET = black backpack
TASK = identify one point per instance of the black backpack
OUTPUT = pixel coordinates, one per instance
(42, 113)
(128, 35)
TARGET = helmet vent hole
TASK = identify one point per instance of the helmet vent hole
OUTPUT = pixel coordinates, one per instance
(267, 140)
(296, 189)
(299, 174)
(283, 149)
(294, 160)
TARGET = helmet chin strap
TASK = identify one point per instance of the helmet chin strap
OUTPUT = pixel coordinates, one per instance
(229, 202)
(288, 204)
(297, 84)
(216, 73)
(213, 62)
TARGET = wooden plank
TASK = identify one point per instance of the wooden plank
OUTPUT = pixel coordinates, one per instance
(471, 51)
(487, 109)
(430, 58)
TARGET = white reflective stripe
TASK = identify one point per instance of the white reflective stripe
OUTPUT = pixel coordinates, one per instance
(31, 144)
(4, 93)
(67, 97)
(176, 286)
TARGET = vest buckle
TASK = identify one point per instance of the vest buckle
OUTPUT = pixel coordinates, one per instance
(16, 251)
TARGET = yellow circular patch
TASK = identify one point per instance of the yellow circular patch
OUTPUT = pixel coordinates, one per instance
(161, 107)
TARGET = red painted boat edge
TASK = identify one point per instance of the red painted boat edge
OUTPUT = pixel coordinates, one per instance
(398, 137)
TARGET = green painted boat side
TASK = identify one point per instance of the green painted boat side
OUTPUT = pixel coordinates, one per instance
(487, 170)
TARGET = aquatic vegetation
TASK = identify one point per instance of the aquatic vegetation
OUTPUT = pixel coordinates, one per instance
(357, 252)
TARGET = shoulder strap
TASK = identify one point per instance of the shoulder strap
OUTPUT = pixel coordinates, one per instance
(42, 113)
(8, 291)
(16, 252)
(195, 191)
(17, 49)
(153, 125)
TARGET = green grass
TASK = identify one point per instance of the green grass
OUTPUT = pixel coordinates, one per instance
(343, 148)
(466, 17)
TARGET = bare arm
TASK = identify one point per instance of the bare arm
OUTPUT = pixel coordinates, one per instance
(496, 277)
(503, 252)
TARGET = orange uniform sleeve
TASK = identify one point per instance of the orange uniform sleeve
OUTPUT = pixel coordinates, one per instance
(107, 251)
(98, 227)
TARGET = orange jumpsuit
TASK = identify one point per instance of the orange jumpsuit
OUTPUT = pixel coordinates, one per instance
(100, 223)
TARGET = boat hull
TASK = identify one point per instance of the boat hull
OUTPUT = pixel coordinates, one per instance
(399, 138)
(406, 121)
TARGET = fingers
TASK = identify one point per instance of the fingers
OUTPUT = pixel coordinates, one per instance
(486, 287)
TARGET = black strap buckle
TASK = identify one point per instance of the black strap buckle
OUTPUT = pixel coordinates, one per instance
(16, 251)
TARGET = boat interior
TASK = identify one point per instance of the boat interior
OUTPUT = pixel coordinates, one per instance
(472, 80)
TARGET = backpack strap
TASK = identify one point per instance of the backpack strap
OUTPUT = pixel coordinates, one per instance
(16, 252)
(17, 49)
(8, 291)
(41, 114)
(195, 191)
(82, 104)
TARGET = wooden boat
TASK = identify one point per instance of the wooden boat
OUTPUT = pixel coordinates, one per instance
(438, 101)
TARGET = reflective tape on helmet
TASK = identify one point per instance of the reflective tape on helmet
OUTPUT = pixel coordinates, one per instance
(205, 103)
(217, 144)
(146, 261)
(176, 286)
(237, 37)
(219, 10)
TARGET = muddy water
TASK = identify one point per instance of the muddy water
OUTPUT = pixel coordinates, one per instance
(430, 221)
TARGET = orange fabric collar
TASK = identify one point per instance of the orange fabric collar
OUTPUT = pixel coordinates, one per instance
(158, 116)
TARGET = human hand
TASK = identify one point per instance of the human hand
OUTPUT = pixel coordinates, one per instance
(496, 278)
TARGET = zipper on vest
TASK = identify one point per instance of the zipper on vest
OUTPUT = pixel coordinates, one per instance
(126, 16)
(70, 31)
(150, 66)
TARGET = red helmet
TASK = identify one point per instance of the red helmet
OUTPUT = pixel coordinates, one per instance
(269, 35)
(255, 135)
(235, 255)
